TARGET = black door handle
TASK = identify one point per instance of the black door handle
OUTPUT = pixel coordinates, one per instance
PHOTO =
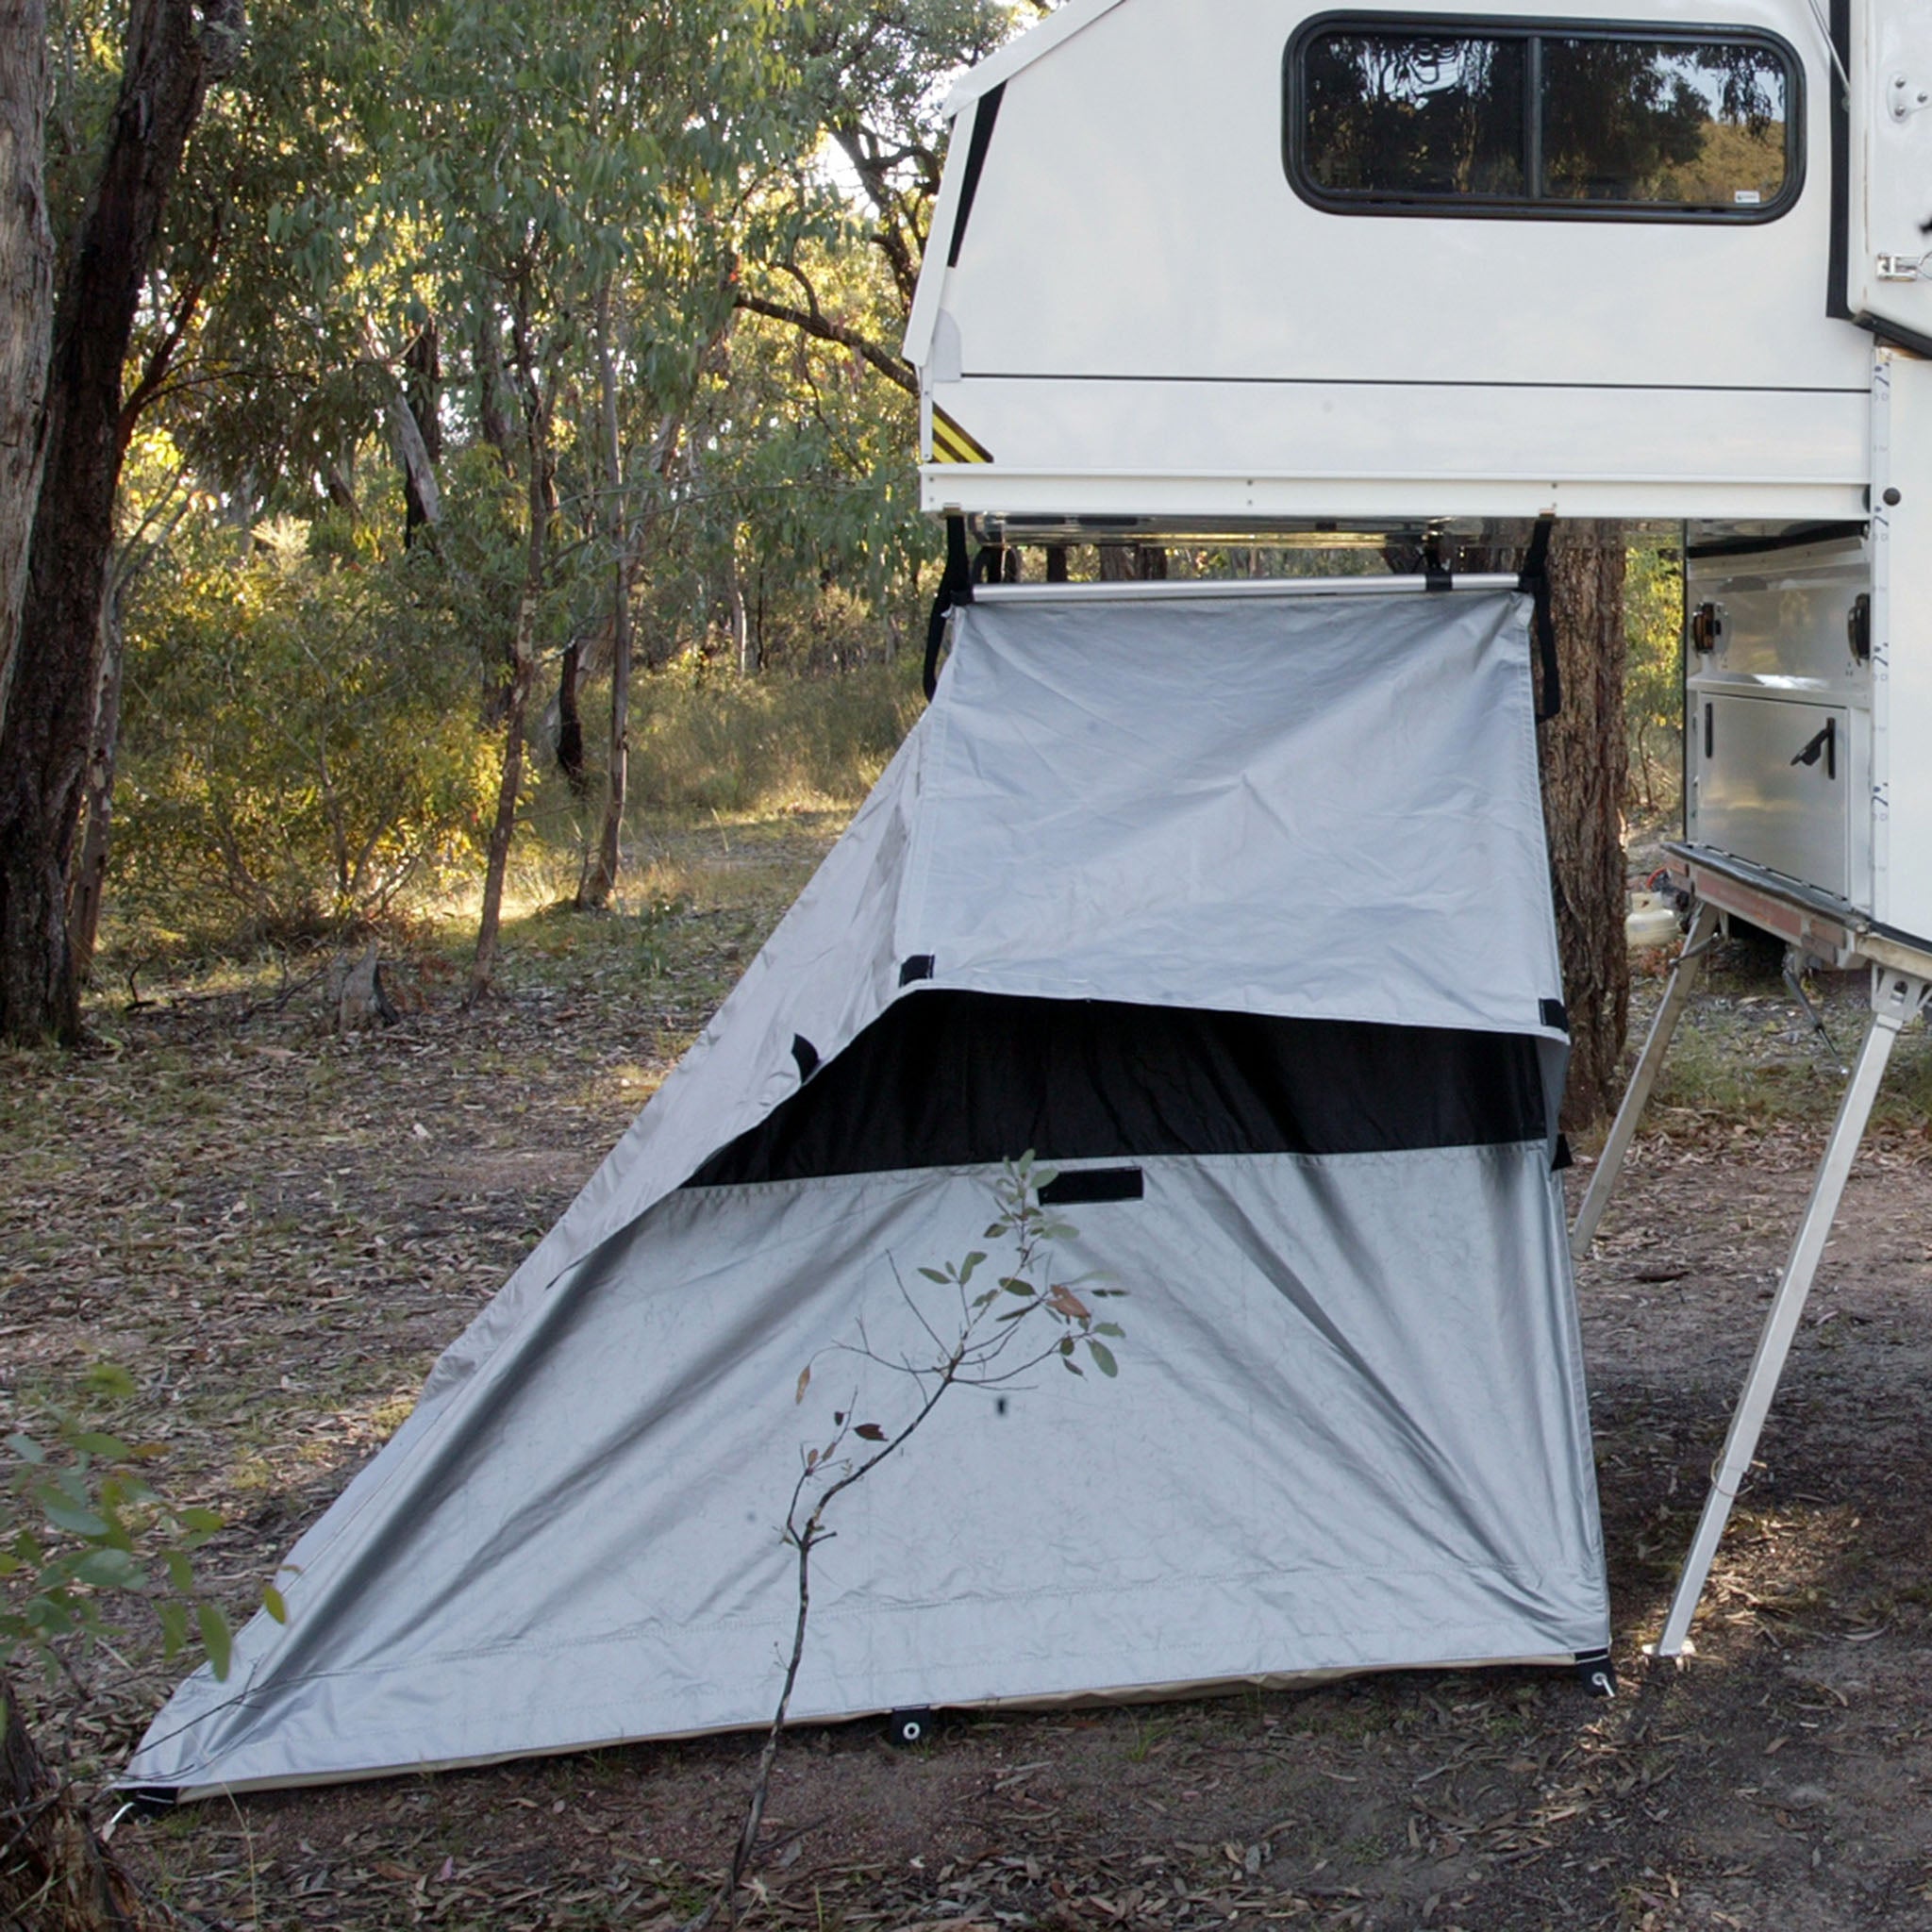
(1824, 745)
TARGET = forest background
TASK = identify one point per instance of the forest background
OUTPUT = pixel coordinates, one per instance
(511, 439)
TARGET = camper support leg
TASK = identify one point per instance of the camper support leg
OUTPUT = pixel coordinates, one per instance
(1896, 997)
(1678, 991)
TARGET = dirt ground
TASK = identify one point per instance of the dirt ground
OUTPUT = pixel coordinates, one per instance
(274, 1230)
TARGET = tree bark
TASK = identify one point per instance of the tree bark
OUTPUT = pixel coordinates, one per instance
(523, 672)
(1584, 768)
(570, 722)
(597, 889)
(90, 868)
(55, 1873)
(26, 301)
(421, 393)
(174, 48)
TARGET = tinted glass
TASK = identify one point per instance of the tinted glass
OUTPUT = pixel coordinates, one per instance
(1413, 115)
(1662, 124)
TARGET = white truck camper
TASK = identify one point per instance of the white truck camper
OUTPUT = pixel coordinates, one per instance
(1243, 270)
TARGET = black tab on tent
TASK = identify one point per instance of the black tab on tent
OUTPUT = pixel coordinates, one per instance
(1093, 1184)
(806, 1053)
(1555, 1013)
(920, 966)
(1563, 1156)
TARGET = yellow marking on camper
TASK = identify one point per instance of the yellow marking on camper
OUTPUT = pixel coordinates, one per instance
(951, 444)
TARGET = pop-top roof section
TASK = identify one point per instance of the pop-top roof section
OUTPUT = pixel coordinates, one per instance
(1022, 50)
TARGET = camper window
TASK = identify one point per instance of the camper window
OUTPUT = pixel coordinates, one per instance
(1390, 114)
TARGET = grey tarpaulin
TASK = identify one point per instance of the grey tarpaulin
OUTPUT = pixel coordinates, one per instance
(1350, 1426)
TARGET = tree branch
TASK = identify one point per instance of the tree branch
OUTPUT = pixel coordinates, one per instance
(893, 368)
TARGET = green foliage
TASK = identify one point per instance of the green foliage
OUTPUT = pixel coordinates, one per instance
(80, 1527)
(303, 738)
(1652, 676)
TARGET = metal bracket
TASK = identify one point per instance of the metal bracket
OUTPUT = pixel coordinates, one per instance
(1905, 97)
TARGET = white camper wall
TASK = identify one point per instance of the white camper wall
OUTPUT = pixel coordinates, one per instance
(1145, 318)
(1901, 645)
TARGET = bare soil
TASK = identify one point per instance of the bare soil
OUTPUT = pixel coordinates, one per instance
(275, 1230)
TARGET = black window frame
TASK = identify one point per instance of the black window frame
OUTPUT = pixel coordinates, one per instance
(1528, 206)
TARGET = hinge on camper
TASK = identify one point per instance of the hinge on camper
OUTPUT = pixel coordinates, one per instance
(1900, 268)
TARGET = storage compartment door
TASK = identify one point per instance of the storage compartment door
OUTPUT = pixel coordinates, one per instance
(1773, 783)
(1889, 196)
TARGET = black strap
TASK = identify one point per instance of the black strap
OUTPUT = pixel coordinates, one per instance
(956, 586)
(1436, 574)
(1534, 579)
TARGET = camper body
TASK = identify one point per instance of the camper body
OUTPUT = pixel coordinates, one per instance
(1186, 278)
(1242, 268)
(1148, 297)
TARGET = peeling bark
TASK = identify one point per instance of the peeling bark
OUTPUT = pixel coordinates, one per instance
(26, 301)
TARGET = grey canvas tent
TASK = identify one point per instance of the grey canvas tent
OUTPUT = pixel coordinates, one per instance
(1231, 899)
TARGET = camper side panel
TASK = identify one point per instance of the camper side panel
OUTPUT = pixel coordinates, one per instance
(1146, 315)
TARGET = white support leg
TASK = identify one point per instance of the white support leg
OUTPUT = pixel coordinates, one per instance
(1895, 998)
(1678, 991)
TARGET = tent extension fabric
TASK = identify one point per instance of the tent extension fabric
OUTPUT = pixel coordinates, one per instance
(1237, 906)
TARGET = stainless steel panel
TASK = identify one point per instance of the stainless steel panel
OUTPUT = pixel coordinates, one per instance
(1782, 618)
(1754, 796)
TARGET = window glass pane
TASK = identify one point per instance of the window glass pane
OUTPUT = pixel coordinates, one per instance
(1405, 114)
(1662, 123)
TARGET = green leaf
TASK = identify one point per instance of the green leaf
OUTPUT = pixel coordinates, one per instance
(934, 1274)
(63, 1513)
(1112, 1329)
(26, 1448)
(1067, 1362)
(968, 1265)
(92, 1442)
(109, 1570)
(173, 1626)
(202, 1522)
(275, 1603)
(1103, 1356)
(215, 1637)
(1044, 1178)
(1017, 1284)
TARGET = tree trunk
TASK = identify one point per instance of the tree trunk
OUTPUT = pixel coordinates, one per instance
(171, 57)
(490, 385)
(597, 887)
(1122, 563)
(26, 301)
(90, 870)
(55, 1873)
(570, 722)
(422, 395)
(742, 641)
(1585, 766)
(517, 698)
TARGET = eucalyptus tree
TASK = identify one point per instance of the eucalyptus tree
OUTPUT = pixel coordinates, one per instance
(568, 187)
(172, 51)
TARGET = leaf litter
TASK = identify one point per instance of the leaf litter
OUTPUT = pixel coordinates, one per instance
(275, 1230)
